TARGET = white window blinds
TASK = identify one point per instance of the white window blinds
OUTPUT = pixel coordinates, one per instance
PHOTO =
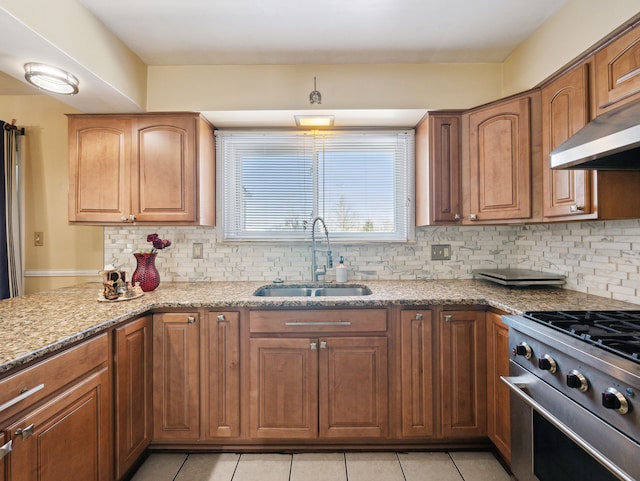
(274, 183)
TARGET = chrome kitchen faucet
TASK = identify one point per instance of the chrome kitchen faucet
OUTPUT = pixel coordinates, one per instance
(315, 270)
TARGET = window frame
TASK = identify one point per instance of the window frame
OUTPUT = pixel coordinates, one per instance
(404, 215)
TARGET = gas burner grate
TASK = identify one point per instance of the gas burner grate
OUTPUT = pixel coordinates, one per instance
(615, 331)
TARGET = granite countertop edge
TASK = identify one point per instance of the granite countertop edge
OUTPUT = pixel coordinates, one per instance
(37, 325)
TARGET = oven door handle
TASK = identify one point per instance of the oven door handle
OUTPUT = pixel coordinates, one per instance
(518, 384)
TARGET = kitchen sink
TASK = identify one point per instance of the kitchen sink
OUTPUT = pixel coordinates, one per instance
(312, 291)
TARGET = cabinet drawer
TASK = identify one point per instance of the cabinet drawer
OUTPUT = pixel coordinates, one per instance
(325, 320)
(33, 384)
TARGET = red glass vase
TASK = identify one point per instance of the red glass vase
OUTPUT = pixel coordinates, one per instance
(146, 273)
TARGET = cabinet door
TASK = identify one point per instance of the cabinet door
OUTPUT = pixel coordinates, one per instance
(353, 387)
(4, 452)
(417, 376)
(164, 176)
(438, 182)
(618, 72)
(68, 438)
(133, 396)
(99, 163)
(284, 388)
(463, 374)
(565, 110)
(176, 387)
(498, 420)
(500, 162)
(222, 367)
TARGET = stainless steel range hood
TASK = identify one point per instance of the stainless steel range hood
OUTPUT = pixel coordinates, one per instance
(609, 142)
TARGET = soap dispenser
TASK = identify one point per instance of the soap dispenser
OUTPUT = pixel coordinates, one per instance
(341, 271)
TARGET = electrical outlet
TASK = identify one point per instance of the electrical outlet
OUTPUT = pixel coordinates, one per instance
(197, 251)
(441, 252)
(38, 239)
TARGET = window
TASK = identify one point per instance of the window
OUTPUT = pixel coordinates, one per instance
(273, 184)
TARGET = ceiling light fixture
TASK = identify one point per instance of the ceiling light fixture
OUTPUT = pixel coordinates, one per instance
(51, 79)
(314, 120)
(315, 97)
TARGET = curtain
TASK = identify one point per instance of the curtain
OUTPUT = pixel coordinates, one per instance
(11, 273)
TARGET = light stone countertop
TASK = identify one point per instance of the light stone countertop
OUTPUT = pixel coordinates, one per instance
(35, 325)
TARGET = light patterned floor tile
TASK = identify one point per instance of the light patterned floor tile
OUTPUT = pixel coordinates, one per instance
(160, 467)
(373, 467)
(479, 466)
(428, 467)
(209, 467)
(318, 467)
(263, 467)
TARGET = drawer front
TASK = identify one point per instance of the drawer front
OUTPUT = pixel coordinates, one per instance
(33, 384)
(325, 320)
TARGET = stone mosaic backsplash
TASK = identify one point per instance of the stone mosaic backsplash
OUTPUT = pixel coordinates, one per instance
(601, 258)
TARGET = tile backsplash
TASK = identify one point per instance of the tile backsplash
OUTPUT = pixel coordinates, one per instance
(601, 258)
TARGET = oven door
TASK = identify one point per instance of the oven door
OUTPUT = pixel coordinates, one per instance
(555, 439)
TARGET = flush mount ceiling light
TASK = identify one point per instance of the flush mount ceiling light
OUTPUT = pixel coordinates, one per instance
(51, 79)
(314, 120)
(315, 97)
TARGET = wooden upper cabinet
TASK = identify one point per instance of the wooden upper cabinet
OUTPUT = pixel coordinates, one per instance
(438, 181)
(498, 184)
(565, 110)
(99, 160)
(155, 168)
(618, 72)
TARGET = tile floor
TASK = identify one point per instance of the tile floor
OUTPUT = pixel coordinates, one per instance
(383, 466)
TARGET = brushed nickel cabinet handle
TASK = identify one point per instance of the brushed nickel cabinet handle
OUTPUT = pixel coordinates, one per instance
(576, 209)
(419, 316)
(313, 346)
(457, 217)
(191, 319)
(221, 318)
(22, 396)
(473, 217)
(25, 432)
(448, 318)
(6, 449)
(318, 323)
(323, 344)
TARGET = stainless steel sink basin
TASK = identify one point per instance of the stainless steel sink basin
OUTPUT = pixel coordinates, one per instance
(310, 291)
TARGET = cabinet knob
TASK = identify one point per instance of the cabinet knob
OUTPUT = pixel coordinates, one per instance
(323, 344)
(576, 208)
(448, 318)
(132, 218)
(419, 316)
(221, 318)
(25, 432)
(473, 217)
(191, 319)
(124, 218)
(313, 346)
(457, 217)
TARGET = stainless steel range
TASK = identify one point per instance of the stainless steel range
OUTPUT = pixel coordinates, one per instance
(575, 402)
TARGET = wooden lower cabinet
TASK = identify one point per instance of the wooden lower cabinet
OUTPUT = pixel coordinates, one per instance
(222, 375)
(310, 388)
(4, 452)
(176, 371)
(68, 437)
(133, 392)
(463, 374)
(498, 418)
(417, 385)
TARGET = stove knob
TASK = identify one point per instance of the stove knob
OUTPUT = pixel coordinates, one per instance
(613, 399)
(575, 380)
(547, 363)
(523, 349)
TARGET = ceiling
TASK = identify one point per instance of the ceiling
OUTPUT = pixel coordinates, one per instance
(248, 32)
(205, 32)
